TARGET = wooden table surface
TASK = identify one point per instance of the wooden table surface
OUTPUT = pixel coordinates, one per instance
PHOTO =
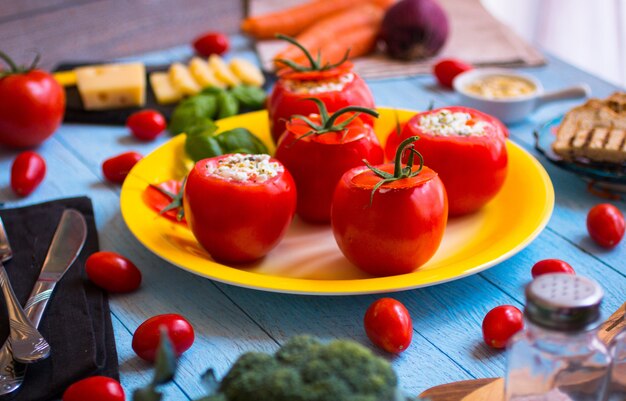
(447, 343)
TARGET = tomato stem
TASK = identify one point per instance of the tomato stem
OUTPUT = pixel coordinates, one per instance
(315, 65)
(9, 62)
(14, 68)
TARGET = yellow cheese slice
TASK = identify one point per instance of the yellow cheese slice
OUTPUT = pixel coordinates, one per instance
(247, 72)
(182, 80)
(222, 72)
(65, 78)
(164, 91)
(203, 74)
(111, 86)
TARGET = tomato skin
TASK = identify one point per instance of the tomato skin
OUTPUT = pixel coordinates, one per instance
(211, 43)
(116, 168)
(317, 162)
(605, 224)
(245, 220)
(388, 325)
(393, 141)
(447, 69)
(27, 172)
(113, 272)
(402, 228)
(146, 125)
(500, 324)
(32, 105)
(148, 335)
(473, 168)
(95, 388)
(548, 266)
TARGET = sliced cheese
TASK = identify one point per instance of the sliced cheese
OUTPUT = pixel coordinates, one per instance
(247, 72)
(65, 78)
(164, 91)
(182, 80)
(222, 72)
(112, 86)
(203, 74)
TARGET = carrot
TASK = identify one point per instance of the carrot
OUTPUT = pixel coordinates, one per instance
(293, 20)
(359, 41)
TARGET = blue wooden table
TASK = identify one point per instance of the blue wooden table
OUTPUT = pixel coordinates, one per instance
(447, 343)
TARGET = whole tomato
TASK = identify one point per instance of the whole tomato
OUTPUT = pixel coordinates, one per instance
(467, 149)
(250, 208)
(605, 224)
(116, 168)
(317, 155)
(113, 272)
(548, 266)
(211, 43)
(389, 219)
(500, 324)
(166, 199)
(147, 337)
(388, 325)
(95, 388)
(32, 104)
(27, 172)
(146, 125)
(447, 69)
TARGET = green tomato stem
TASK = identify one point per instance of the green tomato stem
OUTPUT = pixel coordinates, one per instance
(9, 62)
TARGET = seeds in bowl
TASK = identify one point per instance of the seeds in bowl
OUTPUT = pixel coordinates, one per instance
(500, 87)
(245, 168)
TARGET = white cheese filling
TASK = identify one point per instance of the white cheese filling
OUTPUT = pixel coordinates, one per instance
(245, 168)
(446, 123)
(313, 87)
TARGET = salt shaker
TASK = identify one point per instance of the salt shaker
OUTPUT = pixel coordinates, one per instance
(558, 356)
(617, 387)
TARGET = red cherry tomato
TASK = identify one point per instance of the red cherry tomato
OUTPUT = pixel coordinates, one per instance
(317, 162)
(32, 104)
(500, 324)
(96, 388)
(286, 99)
(388, 325)
(147, 337)
(116, 168)
(472, 167)
(146, 125)
(548, 266)
(27, 172)
(158, 201)
(246, 218)
(113, 272)
(447, 69)
(605, 224)
(211, 43)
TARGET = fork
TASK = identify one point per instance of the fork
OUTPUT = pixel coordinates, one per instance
(27, 343)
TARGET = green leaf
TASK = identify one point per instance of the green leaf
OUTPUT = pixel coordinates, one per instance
(227, 105)
(210, 382)
(191, 112)
(240, 140)
(166, 362)
(249, 97)
(200, 147)
(211, 90)
(147, 394)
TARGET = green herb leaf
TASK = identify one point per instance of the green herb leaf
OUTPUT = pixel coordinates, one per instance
(240, 140)
(210, 382)
(166, 362)
(249, 97)
(191, 111)
(200, 147)
(227, 105)
(147, 394)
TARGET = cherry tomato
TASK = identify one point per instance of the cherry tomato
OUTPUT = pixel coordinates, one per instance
(116, 168)
(500, 324)
(246, 219)
(146, 125)
(547, 266)
(157, 200)
(148, 335)
(293, 87)
(388, 325)
(27, 172)
(473, 166)
(113, 272)
(32, 104)
(211, 43)
(605, 224)
(447, 69)
(95, 388)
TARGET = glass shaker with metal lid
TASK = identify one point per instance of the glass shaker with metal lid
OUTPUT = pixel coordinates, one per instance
(558, 356)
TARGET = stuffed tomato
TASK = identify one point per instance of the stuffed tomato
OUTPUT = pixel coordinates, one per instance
(239, 206)
(467, 149)
(318, 149)
(337, 86)
(390, 219)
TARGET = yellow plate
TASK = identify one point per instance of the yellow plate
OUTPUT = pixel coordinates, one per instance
(308, 261)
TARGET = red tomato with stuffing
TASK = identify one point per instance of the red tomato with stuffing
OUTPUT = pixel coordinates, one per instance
(95, 388)
(113, 272)
(146, 125)
(287, 97)
(605, 224)
(27, 172)
(472, 167)
(211, 43)
(388, 325)
(116, 168)
(447, 69)
(317, 162)
(147, 337)
(500, 324)
(238, 221)
(32, 104)
(548, 266)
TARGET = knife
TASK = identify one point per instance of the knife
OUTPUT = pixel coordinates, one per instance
(66, 244)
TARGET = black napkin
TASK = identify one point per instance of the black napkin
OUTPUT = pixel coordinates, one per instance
(77, 322)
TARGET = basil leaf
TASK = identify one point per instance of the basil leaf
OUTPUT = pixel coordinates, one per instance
(249, 97)
(227, 105)
(190, 111)
(200, 147)
(240, 140)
